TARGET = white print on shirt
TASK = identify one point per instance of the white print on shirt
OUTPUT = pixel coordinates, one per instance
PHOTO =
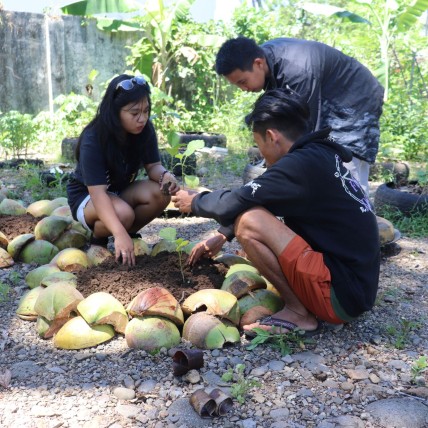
(253, 186)
(351, 186)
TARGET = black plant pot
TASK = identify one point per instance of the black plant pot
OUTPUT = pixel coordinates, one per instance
(210, 139)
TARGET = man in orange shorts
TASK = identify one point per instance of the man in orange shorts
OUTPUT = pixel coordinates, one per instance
(305, 224)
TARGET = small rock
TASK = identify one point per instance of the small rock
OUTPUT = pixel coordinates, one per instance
(124, 393)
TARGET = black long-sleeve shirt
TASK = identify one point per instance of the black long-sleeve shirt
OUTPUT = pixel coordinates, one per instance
(320, 201)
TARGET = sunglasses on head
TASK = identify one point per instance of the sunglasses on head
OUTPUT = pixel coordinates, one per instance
(129, 84)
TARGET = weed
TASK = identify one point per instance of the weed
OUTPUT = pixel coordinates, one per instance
(413, 226)
(400, 335)
(419, 367)
(14, 277)
(40, 190)
(242, 385)
(170, 234)
(285, 342)
(4, 292)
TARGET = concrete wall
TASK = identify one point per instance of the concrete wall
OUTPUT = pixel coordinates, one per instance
(76, 48)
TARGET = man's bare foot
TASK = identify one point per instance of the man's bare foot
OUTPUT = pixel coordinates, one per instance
(284, 321)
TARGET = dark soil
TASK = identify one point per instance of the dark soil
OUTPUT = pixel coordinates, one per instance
(14, 225)
(124, 282)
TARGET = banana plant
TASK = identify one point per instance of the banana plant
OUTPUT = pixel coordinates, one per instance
(154, 19)
(390, 17)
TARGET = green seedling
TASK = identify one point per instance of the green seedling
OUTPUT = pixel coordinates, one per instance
(400, 334)
(285, 342)
(170, 234)
(176, 151)
(242, 384)
(4, 292)
(419, 367)
(14, 277)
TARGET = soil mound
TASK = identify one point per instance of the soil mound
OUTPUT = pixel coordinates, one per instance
(163, 270)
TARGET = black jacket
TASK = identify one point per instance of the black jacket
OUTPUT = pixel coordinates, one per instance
(341, 92)
(320, 201)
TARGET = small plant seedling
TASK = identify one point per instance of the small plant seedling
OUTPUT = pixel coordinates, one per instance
(419, 367)
(175, 150)
(170, 234)
(241, 385)
(14, 277)
(400, 334)
(4, 292)
(282, 341)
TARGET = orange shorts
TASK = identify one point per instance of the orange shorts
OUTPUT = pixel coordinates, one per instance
(309, 278)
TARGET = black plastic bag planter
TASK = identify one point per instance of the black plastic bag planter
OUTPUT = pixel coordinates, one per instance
(253, 170)
(389, 195)
(209, 138)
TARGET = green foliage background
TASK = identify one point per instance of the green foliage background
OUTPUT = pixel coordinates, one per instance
(178, 54)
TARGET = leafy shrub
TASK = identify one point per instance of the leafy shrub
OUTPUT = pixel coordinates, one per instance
(17, 133)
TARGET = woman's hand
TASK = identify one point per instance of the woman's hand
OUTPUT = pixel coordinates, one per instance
(124, 249)
(168, 183)
(208, 248)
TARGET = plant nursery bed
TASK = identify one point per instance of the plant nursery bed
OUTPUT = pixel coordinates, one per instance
(162, 270)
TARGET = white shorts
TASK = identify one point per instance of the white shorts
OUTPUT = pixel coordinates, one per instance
(81, 215)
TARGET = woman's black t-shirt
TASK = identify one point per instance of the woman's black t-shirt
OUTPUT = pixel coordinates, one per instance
(92, 168)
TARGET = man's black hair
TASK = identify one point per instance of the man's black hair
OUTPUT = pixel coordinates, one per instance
(238, 53)
(280, 109)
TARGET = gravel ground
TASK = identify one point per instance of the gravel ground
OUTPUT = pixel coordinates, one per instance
(359, 375)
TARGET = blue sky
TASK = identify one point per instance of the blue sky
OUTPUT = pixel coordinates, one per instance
(202, 10)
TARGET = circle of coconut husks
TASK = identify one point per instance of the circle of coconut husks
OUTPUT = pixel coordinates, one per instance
(51, 228)
(26, 304)
(70, 239)
(231, 259)
(261, 297)
(156, 301)
(39, 251)
(71, 260)
(35, 276)
(45, 207)
(62, 211)
(18, 243)
(57, 301)
(6, 260)
(208, 332)
(11, 207)
(215, 302)
(242, 282)
(253, 314)
(102, 308)
(241, 267)
(3, 241)
(151, 333)
(56, 304)
(97, 254)
(141, 247)
(59, 278)
(76, 333)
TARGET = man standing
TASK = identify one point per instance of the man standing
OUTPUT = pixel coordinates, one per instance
(340, 91)
(323, 257)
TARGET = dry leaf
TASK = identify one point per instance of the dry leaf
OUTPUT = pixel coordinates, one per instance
(5, 378)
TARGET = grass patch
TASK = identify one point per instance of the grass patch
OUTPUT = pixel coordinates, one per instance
(400, 334)
(413, 226)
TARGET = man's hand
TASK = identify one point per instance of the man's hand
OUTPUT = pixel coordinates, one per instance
(183, 200)
(207, 248)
